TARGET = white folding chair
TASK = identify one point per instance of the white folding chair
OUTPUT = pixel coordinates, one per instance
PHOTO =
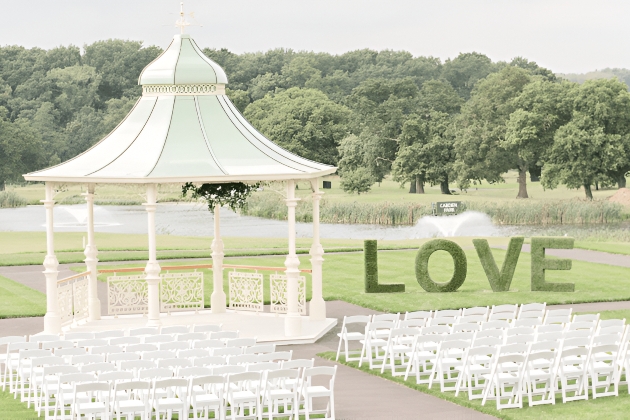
(109, 334)
(136, 366)
(421, 315)
(498, 324)
(573, 373)
(117, 358)
(477, 365)
(210, 361)
(594, 318)
(498, 333)
(398, 350)
(158, 339)
(242, 359)
(466, 327)
(346, 336)
(277, 356)
(527, 322)
(471, 319)
(279, 391)
(557, 316)
(175, 345)
(240, 342)
(260, 349)
(540, 377)
(75, 336)
(36, 379)
(192, 353)
(193, 372)
(532, 310)
(226, 351)
(505, 381)
(206, 394)
(423, 357)
(603, 370)
(50, 385)
(168, 396)
(97, 394)
(310, 391)
(223, 335)
(208, 328)
(24, 368)
(449, 364)
(242, 392)
(141, 348)
(159, 354)
(228, 370)
(208, 344)
(131, 399)
(125, 341)
(6, 341)
(503, 312)
(143, 331)
(174, 364)
(376, 334)
(482, 311)
(175, 329)
(190, 337)
(59, 344)
(65, 391)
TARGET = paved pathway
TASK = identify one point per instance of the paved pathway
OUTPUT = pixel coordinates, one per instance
(587, 255)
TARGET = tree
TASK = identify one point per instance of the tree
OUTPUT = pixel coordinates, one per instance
(357, 181)
(481, 127)
(362, 151)
(303, 121)
(542, 108)
(20, 149)
(465, 70)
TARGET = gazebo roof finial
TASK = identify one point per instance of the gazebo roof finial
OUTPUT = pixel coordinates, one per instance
(181, 23)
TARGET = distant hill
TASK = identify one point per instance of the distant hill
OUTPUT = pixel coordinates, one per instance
(621, 74)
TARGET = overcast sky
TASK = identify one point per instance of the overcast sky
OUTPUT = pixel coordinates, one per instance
(563, 35)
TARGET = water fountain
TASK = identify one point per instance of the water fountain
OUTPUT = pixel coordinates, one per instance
(468, 223)
(75, 216)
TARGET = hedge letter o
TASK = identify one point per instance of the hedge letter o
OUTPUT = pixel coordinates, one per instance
(422, 266)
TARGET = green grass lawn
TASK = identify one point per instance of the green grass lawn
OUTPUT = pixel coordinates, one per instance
(17, 300)
(343, 280)
(612, 247)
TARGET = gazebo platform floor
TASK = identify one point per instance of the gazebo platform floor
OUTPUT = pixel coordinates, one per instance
(266, 327)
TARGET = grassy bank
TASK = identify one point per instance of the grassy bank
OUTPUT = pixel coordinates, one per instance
(17, 300)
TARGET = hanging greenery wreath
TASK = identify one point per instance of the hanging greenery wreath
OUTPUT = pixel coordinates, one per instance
(231, 194)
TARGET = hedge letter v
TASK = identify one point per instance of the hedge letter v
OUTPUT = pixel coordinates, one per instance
(499, 281)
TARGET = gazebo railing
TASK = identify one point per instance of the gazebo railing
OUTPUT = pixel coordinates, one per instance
(128, 294)
(72, 295)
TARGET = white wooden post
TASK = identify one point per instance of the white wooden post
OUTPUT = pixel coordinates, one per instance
(317, 306)
(91, 260)
(293, 320)
(217, 299)
(52, 319)
(152, 269)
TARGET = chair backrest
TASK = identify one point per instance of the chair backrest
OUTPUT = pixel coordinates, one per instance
(175, 345)
(567, 355)
(210, 361)
(192, 353)
(276, 356)
(189, 372)
(124, 341)
(157, 339)
(396, 334)
(70, 378)
(516, 348)
(73, 336)
(116, 376)
(207, 380)
(562, 319)
(141, 348)
(471, 319)
(476, 310)
(576, 342)
(605, 323)
(31, 354)
(193, 336)
(498, 333)
(38, 338)
(109, 334)
(298, 364)
(586, 318)
(498, 324)
(527, 322)
(94, 342)
(18, 347)
(100, 390)
(436, 329)
(549, 356)
(418, 315)
(106, 350)
(47, 361)
(242, 359)
(412, 323)
(131, 386)
(218, 335)
(236, 382)
(506, 309)
(174, 363)
(330, 371)
(122, 357)
(208, 344)
(549, 345)
(143, 331)
(59, 344)
(466, 327)
(12, 339)
(520, 331)
(462, 335)
(532, 307)
(386, 317)
(577, 333)
(276, 375)
(554, 328)
(82, 359)
(137, 365)
(446, 346)
(580, 325)
(447, 313)
(175, 329)
(159, 354)
(207, 328)
(619, 330)
(488, 341)
(260, 349)
(600, 340)
(550, 336)
(228, 369)
(226, 351)
(155, 373)
(605, 352)
(98, 367)
(520, 338)
(559, 312)
(240, 342)
(172, 385)
(263, 366)
(443, 320)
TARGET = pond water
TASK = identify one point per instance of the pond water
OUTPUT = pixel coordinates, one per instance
(195, 220)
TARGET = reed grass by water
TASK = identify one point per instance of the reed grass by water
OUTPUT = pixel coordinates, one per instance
(521, 212)
(10, 199)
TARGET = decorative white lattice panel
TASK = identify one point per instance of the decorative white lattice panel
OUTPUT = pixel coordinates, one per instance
(64, 297)
(127, 295)
(80, 297)
(278, 289)
(246, 291)
(181, 291)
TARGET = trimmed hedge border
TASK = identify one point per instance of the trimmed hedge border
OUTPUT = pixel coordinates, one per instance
(540, 264)
(422, 266)
(499, 280)
(370, 258)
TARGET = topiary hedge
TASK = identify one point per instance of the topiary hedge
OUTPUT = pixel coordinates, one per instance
(499, 280)
(422, 266)
(540, 264)
(370, 256)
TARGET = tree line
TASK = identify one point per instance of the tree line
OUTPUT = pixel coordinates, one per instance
(372, 113)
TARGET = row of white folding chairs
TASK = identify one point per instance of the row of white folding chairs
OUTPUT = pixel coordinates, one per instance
(288, 385)
(474, 366)
(32, 362)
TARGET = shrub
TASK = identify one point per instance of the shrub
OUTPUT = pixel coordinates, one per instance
(10, 199)
(370, 258)
(422, 266)
(358, 181)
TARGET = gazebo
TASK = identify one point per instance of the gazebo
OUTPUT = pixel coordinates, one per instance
(183, 129)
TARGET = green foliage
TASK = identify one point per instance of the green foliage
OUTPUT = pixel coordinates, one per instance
(231, 194)
(422, 266)
(370, 258)
(10, 199)
(358, 181)
(540, 264)
(303, 121)
(20, 149)
(499, 280)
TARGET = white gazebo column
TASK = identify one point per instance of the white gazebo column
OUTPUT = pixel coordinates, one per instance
(94, 304)
(217, 299)
(152, 269)
(52, 319)
(293, 320)
(317, 306)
